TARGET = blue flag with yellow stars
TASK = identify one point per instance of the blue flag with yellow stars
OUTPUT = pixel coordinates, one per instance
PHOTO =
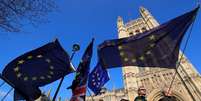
(79, 83)
(158, 47)
(38, 68)
(97, 78)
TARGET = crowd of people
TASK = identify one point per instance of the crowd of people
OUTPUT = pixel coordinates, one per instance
(142, 95)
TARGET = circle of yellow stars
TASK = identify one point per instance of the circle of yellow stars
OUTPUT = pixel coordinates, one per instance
(141, 57)
(25, 77)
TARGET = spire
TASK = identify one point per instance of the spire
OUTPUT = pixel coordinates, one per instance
(59, 99)
(144, 12)
(49, 92)
(142, 9)
(121, 28)
(113, 87)
(120, 22)
(148, 18)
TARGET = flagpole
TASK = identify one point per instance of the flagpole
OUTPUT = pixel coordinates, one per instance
(179, 63)
(76, 48)
(13, 86)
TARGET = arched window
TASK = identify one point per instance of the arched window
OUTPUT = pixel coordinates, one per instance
(137, 31)
(144, 28)
(131, 34)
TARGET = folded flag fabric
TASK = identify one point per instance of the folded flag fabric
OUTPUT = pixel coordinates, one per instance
(79, 83)
(158, 47)
(38, 68)
(97, 79)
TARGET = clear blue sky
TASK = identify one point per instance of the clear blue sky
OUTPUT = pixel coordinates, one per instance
(77, 21)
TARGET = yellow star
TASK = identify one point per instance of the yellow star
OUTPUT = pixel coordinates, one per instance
(30, 57)
(152, 45)
(133, 60)
(122, 53)
(42, 77)
(120, 47)
(51, 67)
(48, 76)
(26, 78)
(142, 58)
(48, 60)
(51, 72)
(152, 37)
(39, 56)
(16, 69)
(148, 52)
(21, 62)
(19, 75)
(34, 78)
(126, 59)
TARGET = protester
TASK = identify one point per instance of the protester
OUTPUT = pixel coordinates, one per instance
(141, 94)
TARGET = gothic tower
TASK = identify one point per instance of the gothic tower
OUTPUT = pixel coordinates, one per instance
(187, 85)
(148, 18)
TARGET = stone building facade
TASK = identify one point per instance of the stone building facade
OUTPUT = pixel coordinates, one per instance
(186, 86)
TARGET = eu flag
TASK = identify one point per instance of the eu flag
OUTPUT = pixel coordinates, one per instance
(38, 68)
(158, 47)
(97, 78)
(79, 83)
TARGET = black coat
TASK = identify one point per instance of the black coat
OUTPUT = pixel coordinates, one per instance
(168, 98)
(140, 98)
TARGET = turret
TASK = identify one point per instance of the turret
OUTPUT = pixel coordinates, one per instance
(59, 99)
(121, 27)
(148, 18)
(48, 93)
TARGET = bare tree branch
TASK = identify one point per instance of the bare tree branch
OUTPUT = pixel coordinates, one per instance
(14, 12)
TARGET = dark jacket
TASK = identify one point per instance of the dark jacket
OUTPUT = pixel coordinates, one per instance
(168, 98)
(140, 98)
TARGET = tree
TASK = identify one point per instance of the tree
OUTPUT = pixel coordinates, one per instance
(13, 13)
